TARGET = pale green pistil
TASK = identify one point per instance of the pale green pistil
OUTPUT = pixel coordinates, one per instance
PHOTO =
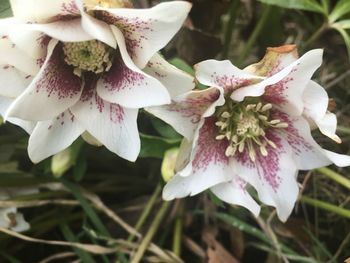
(243, 125)
(93, 56)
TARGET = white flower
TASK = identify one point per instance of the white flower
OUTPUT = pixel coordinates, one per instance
(10, 218)
(251, 128)
(77, 66)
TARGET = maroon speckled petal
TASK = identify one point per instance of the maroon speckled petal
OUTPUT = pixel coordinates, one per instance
(307, 153)
(146, 31)
(186, 111)
(53, 90)
(110, 123)
(129, 88)
(209, 151)
(273, 176)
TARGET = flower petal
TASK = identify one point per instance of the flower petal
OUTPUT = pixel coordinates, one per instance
(234, 192)
(273, 176)
(97, 29)
(186, 111)
(315, 100)
(11, 55)
(288, 93)
(223, 74)
(55, 89)
(63, 30)
(286, 87)
(175, 80)
(208, 164)
(131, 89)
(328, 126)
(275, 59)
(9, 215)
(306, 152)
(5, 103)
(147, 30)
(52, 136)
(127, 85)
(340, 160)
(33, 43)
(43, 10)
(13, 81)
(111, 124)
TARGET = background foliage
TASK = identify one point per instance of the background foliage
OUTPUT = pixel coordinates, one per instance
(101, 199)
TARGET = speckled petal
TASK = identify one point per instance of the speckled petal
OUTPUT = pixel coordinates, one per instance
(147, 30)
(111, 124)
(38, 11)
(55, 88)
(52, 136)
(185, 111)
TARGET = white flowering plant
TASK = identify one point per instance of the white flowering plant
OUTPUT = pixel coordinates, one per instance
(174, 131)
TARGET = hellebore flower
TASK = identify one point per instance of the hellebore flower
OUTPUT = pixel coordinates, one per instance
(10, 218)
(251, 128)
(96, 64)
(15, 73)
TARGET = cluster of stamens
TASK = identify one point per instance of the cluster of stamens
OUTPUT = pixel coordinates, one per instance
(93, 56)
(243, 125)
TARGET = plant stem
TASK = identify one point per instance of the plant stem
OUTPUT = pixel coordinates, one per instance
(326, 206)
(255, 34)
(178, 232)
(151, 232)
(146, 211)
(343, 129)
(229, 29)
(340, 179)
(315, 35)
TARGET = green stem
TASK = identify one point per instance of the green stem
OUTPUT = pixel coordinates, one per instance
(255, 34)
(90, 212)
(325, 6)
(146, 211)
(151, 232)
(178, 233)
(340, 179)
(343, 129)
(315, 35)
(229, 29)
(326, 206)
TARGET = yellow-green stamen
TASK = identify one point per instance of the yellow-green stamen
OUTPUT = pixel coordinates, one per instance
(93, 56)
(243, 124)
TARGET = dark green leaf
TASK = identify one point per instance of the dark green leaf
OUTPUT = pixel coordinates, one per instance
(342, 8)
(153, 146)
(308, 5)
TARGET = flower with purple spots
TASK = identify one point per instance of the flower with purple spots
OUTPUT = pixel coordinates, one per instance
(72, 67)
(251, 129)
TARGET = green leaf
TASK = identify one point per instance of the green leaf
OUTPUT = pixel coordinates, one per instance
(164, 129)
(344, 24)
(342, 8)
(216, 200)
(90, 212)
(346, 38)
(154, 146)
(69, 236)
(181, 64)
(5, 9)
(241, 225)
(308, 5)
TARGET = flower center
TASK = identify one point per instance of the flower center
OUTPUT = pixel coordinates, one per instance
(93, 56)
(243, 124)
